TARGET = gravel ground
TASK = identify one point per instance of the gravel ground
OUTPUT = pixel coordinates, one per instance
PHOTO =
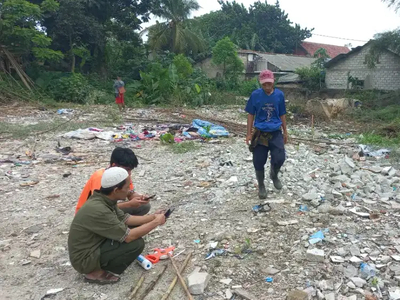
(214, 202)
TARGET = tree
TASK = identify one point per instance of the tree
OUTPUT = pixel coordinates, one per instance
(81, 29)
(393, 3)
(384, 41)
(175, 34)
(262, 27)
(225, 54)
(20, 37)
(313, 77)
(19, 33)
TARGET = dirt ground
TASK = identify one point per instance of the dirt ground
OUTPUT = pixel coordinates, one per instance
(214, 202)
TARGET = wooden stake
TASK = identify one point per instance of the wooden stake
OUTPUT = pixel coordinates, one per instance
(190, 297)
(137, 287)
(174, 281)
(153, 283)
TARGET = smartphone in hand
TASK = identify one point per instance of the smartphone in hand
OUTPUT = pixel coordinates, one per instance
(150, 197)
(169, 212)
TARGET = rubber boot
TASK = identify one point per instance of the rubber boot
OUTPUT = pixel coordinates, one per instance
(275, 179)
(262, 193)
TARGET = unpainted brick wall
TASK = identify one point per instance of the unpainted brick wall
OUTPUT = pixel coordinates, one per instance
(385, 76)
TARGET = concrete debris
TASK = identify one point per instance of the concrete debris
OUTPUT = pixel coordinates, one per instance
(35, 254)
(271, 271)
(297, 295)
(359, 282)
(329, 185)
(315, 255)
(198, 281)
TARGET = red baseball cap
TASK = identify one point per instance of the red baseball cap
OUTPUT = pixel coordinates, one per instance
(266, 76)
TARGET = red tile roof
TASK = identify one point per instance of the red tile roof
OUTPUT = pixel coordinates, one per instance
(332, 50)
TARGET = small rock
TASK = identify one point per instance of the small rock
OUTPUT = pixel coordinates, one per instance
(355, 260)
(330, 296)
(310, 196)
(34, 229)
(337, 259)
(197, 282)
(271, 271)
(286, 223)
(350, 271)
(350, 162)
(226, 281)
(35, 254)
(297, 295)
(355, 251)
(351, 285)
(359, 282)
(228, 294)
(315, 255)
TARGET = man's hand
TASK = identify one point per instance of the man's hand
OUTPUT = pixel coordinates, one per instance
(160, 212)
(160, 219)
(248, 139)
(285, 138)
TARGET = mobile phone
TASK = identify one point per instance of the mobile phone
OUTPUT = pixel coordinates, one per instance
(150, 197)
(169, 212)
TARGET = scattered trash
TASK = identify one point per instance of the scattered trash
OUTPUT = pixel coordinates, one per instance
(214, 253)
(303, 208)
(367, 151)
(317, 237)
(67, 174)
(52, 292)
(213, 245)
(367, 271)
(143, 262)
(197, 241)
(65, 111)
(261, 208)
(29, 183)
(269, 279)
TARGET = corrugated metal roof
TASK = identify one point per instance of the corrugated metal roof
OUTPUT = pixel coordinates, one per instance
(287, 63)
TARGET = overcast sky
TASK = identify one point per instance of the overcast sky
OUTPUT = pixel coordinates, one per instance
(347, 19)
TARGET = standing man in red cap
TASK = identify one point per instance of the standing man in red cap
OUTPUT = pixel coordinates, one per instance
(267, 114)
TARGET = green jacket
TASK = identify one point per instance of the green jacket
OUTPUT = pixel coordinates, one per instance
(99, 219)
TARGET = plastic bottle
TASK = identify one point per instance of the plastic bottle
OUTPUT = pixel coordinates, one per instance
(144, 262)
(367, 271)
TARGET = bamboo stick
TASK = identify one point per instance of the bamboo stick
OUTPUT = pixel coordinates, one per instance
(153, 283)
(190, 297)
(137, 287)
(174, 281)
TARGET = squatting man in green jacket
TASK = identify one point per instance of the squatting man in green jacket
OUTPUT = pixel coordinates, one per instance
(103, 241)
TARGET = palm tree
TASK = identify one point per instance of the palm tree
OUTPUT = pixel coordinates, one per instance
(174, 34)
(395, 3)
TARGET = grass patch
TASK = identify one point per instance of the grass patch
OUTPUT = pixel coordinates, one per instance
(378, 140)
(184, 147)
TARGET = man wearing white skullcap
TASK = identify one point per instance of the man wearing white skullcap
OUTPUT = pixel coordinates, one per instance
(101, 243)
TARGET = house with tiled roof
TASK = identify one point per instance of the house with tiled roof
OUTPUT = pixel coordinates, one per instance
(308, 49)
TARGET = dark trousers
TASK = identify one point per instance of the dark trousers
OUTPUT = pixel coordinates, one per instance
(138, 211)
(115, 257)
(277, 148)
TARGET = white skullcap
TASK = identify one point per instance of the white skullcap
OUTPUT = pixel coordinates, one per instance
(113, 176)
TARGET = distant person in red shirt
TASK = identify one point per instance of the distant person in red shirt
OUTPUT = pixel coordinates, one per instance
(119, 87)
(136, 204)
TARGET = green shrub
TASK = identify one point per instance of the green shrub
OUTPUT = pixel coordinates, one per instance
(313, 77)
(73, 87)
(248, 86)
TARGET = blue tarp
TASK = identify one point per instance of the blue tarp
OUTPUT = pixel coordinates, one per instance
(213, 132)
